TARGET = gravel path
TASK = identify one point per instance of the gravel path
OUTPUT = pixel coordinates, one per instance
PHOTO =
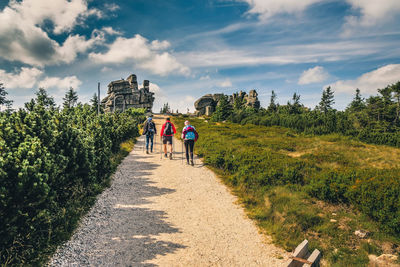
(160, 212)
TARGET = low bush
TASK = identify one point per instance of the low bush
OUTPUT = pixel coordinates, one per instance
(52, 164)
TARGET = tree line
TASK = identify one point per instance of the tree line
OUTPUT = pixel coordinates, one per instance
(375, 119)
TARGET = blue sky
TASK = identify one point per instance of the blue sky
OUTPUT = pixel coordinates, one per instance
(194, 47)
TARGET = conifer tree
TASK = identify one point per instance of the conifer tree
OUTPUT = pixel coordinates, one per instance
(43, 99)
(272, 105)
(327, 100)
(94, 101)
(3, 100)
(223, 109)
(396, 94)
(295, 106)
(358, 102)
(70, 99)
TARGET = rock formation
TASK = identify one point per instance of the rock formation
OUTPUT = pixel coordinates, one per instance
(206, 104)
(123, 94)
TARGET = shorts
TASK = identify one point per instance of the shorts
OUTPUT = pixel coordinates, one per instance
(167, 139)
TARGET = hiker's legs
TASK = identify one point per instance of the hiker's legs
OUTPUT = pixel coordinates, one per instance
(164, 141)
(147, 141)
(151, 142)
(191, 146)
(165, 148)
(187, 150)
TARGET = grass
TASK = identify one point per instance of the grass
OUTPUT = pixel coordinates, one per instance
(283, 181)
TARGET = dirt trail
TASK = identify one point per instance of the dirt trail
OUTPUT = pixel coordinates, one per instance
(160, 212)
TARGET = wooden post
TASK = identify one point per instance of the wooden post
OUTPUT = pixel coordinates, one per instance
(98, 98)
(302, 257)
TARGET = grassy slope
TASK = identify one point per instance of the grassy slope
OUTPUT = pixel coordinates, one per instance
(244, 156)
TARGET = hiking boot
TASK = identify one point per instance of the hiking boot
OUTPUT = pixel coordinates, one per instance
(147, 152)
(170, 155)
(165, 156)
(187, 162)
(191, 163)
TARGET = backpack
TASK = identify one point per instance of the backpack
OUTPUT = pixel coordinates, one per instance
(168, 129)
(150, 127)
(190, 135)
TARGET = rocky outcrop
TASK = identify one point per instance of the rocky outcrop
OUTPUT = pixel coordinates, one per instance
(206, 104)
(123, 94)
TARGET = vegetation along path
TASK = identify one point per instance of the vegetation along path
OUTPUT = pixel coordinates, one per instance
(160, 212)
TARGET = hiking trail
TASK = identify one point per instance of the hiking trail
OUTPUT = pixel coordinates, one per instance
(160, 212)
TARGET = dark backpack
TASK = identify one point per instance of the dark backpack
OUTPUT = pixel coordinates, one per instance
(168, 129)
(150, 127)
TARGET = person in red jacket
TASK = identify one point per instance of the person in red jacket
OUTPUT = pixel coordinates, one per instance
(167, 132)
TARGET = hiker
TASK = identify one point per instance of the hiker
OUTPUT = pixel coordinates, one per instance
(189, 136)
(149, 129)
(167, 132)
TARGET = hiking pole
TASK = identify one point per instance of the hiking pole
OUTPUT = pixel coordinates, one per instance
(182, 153)
(161, 149)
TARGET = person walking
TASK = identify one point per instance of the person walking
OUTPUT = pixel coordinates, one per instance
(189, 136)
(149, 129)
(167, 132)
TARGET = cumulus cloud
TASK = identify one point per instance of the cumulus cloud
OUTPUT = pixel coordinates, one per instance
(157, 45)
(313, 75)
(268, 8)
(143, 54)
(60, 83)
(374, 11)
(64, 14)
(23, 39)
(111, 31)
(226, 83)
(112, 7)
(25, 78)
(371, 81)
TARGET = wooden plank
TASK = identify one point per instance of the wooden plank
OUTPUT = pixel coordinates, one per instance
(314, 259)
(300, 252)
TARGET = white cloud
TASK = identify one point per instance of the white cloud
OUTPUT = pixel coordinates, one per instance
(371, 13)
(369, 82)
(111, 31)
(60, 83)
(279, 54)
(157, 45)
(144, 55)
(313, 75)
(206, 77)
(112, 7)
(25, 78)
(22, 38)
(225, 83)
(65, 14)
(268, 8)
(163, 64)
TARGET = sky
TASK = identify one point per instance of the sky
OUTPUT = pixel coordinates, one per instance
(195, 47)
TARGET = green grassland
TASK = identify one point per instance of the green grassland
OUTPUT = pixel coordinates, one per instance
(321, 188)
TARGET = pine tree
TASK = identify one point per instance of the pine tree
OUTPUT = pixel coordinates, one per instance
(358, 102)
(223, 109)
(94, 101)
(70, 99)
(295, 106)
(43, 99)
(396, 94)
(327, 100)
(166, 108)
(272, 105)
(3, 100)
